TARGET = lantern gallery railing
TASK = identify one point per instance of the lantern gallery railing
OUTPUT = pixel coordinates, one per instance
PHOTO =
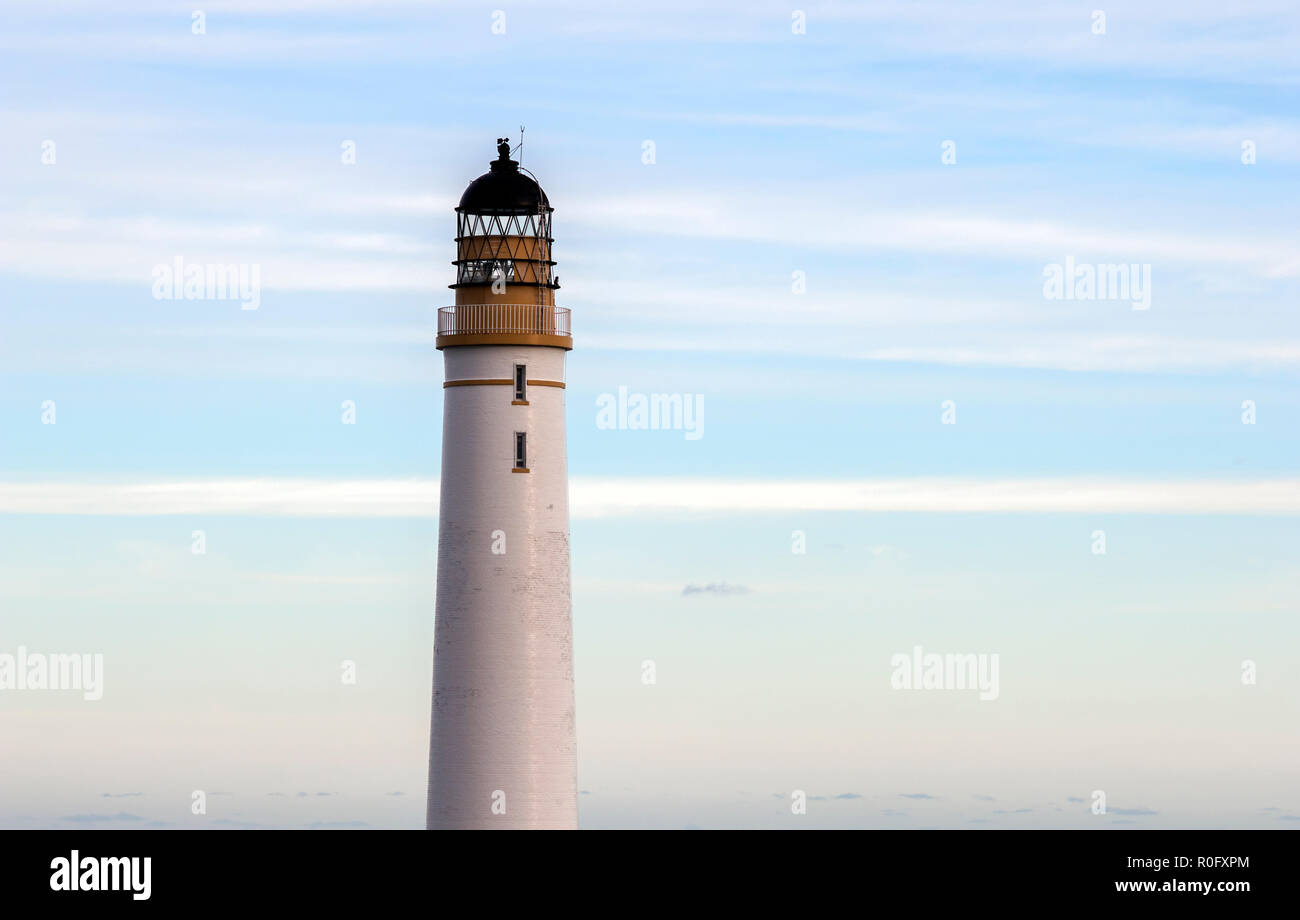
(503, 319)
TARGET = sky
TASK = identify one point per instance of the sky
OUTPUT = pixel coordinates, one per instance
(833, 228)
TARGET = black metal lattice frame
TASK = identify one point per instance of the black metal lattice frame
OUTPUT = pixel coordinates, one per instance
(475, 270)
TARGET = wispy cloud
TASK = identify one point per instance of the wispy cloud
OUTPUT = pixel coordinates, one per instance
(614, 497)
(1241, 41)
(717, 589)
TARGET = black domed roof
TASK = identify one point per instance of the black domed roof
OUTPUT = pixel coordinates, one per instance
(504, 190)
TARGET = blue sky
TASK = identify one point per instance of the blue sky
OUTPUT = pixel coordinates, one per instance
(775, 153)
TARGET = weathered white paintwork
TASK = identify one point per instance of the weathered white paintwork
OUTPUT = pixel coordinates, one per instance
(503, 710)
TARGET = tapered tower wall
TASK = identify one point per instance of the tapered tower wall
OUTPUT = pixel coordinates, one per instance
(503, 704)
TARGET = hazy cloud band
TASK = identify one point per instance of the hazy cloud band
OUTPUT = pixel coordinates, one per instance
(610, 497)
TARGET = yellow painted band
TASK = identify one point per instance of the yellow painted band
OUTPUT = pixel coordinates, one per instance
(504, 338)
(505, 382)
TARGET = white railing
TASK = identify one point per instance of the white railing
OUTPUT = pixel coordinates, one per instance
(509, 318)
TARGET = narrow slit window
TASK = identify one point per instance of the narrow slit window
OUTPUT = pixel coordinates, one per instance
(521, 382)
(521, 450)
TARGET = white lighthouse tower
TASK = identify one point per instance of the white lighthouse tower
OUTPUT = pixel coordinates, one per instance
(503, 752)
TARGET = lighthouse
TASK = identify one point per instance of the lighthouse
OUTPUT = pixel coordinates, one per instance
(503, 751)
